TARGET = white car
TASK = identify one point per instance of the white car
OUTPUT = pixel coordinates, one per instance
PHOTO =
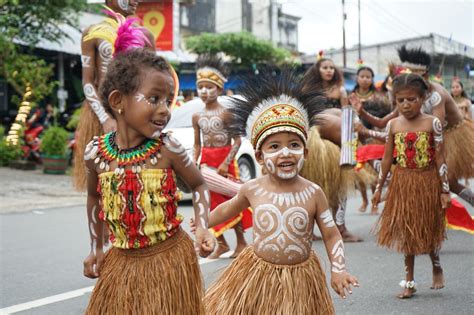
(181, 126)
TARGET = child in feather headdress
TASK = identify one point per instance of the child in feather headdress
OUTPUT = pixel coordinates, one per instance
(283, 275)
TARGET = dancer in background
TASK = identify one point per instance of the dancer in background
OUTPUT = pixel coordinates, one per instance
(214, 147)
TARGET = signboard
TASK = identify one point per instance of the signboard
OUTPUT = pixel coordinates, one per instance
(157, 17)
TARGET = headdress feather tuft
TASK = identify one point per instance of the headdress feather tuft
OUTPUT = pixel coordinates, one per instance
(415, 58)
(274, 103)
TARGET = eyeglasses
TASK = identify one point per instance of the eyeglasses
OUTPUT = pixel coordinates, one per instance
(408, 100)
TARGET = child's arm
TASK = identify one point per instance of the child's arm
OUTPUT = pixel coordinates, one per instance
(340, 279)
(441, 163)
(222, 170)
(184, 168)
(374, 121)
(230, 208)
(94, 260)
(438, 103)
(197, 139)
(386, 164)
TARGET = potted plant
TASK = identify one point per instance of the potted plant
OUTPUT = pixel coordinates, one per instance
(54, 148)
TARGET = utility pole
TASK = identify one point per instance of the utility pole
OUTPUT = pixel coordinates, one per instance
(344, 35)
(360, 52)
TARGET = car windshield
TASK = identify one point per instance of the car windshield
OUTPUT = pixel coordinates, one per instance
(181, 117)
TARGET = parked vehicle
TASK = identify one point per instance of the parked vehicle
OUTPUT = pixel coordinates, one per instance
(181, 126)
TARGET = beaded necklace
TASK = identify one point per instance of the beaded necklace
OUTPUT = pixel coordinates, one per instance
(364, 96)
(108, 151)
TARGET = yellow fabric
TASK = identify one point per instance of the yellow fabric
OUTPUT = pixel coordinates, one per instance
(423, 157)
(152, 201)
(106, 30)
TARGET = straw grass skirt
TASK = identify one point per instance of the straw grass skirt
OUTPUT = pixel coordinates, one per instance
(88, 127)
(162, 279)
(322, 168)
(459, 149)
(252, 286)
(412, 221)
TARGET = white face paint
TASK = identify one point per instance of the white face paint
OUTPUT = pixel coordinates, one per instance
(123, 4)
(284, 152)
(208, 95)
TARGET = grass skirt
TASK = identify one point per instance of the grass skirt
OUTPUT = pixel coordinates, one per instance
(161, 279)
(251, 285)
(459, 149)
(89, 126)
(412, 221)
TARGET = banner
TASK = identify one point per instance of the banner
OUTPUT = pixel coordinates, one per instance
(157, 17)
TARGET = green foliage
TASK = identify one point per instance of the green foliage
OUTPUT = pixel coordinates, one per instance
(27, 22)
(8, 152)
(243, 48)
(54, 141)
(74, 120)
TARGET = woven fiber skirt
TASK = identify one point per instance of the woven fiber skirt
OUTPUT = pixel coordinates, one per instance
(412, 221)
(459, 149)
(251, 286)
(162, 279)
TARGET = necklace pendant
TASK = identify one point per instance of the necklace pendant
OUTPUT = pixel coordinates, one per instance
(134, 169)
(139, 169)
(107, 167)
(153, 160)
(97, 160)
(117, 171)
(102, 165)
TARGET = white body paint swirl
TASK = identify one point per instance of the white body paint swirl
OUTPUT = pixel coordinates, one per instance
(105, 53)
(284, 152)
(174, 146)
(338, 261)
(212, 128)
(96, 105)
(287, 198)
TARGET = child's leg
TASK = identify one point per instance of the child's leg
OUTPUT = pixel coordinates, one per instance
(363, 192)
(222, 247)
(409, 284)
(340, 216)
(241, 242)
(438, 278)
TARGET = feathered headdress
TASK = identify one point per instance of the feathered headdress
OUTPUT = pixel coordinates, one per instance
(274, 103)
(211, 69)
(122, 33)
(414, 59)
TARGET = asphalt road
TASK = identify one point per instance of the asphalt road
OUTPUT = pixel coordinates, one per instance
(41, 255)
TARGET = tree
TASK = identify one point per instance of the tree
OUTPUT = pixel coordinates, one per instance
(243, 48)
(26, 23)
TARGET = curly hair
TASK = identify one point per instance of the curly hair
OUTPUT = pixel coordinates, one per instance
(124, 72)
(312, 78)
(409, 81)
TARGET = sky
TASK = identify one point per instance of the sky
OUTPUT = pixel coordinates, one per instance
(320, 27)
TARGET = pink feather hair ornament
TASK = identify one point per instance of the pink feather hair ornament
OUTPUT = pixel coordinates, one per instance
(129, 35)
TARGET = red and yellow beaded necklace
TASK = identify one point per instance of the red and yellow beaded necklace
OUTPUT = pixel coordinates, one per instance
(136, 157)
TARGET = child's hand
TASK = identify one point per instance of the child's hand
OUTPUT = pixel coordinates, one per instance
(222, 169)
(93, 264)
(376, 199)
(445, 200)
(205, 242)
(341, 282)
(192, 225)
(356, 103)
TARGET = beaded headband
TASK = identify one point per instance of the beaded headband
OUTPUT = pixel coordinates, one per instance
(277, 114)
(212, 75)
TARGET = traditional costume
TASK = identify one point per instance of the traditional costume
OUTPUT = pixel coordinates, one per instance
(152, 266)
(270, 105)
(412, 221)
(215, 152)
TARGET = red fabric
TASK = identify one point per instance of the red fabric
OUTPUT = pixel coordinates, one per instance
(458, 218)
(213, 157)
(370, 152)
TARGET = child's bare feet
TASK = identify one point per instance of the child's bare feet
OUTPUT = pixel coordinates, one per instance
(221, 249)
(240, 247)
(348, 237)
(438, 279)
(363, 207)
(406, 293)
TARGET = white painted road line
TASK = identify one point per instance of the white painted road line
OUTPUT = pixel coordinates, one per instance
(71, 294)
